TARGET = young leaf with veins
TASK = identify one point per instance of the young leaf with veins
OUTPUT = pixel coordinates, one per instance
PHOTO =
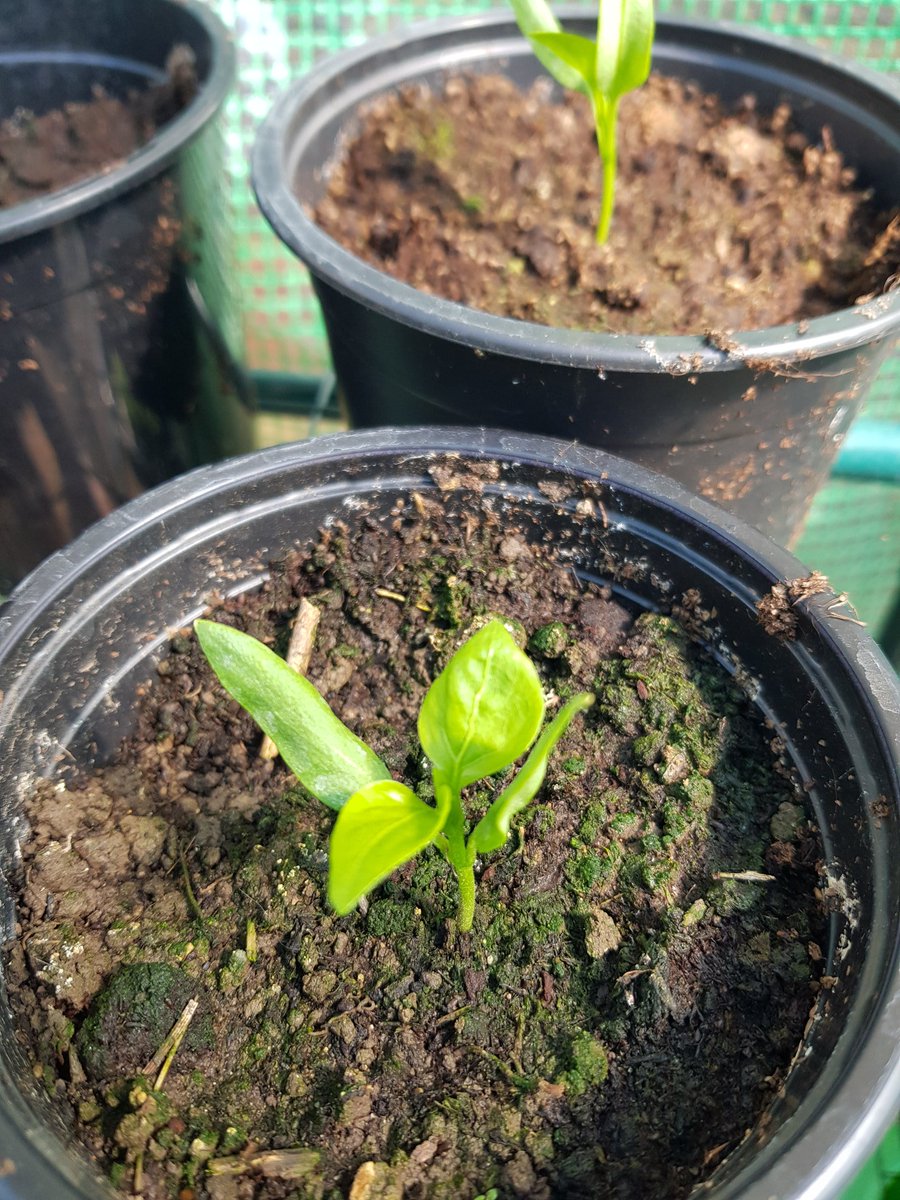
(603, 70)
(480, 715)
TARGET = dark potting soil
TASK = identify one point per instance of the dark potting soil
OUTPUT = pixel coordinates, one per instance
(724, 219)
(646, 948)
(42, 153)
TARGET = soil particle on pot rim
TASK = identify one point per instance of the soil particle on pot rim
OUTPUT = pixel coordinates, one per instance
(777, 610)
(645, 953)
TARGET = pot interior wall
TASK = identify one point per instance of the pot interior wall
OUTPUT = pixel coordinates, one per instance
(140, 35)
(42, 84)
(70, 661)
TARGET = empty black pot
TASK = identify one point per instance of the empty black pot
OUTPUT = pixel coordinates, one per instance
(102, 354)
(754, 428)
(86, 628)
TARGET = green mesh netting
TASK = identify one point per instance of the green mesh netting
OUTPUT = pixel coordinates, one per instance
(853, 536)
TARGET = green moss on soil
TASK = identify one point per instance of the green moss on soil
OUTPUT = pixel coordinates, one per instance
(129, 1019)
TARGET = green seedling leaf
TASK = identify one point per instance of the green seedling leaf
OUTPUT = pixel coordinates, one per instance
(484, 709)
(577, 53)
(605, 70)
(330, 761)
(534, 17)
(493, 829)
(481, 713)
(624, 46)
(380, 827)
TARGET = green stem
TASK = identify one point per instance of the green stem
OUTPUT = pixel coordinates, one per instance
(605, 118)
(465, 873)
(459, 857)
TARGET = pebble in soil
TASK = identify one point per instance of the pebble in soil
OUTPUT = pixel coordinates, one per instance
(615, 1021)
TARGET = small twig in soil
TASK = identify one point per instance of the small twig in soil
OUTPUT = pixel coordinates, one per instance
(744, 876)
(548, 990)
(387, 594)
(188, 889)
(273, 1164)
(76, 1070)
(635, 974)
(883, 243)
(163, 1058)
(842, 599)
(252, 948)
(516, 1056)
(139, 1173)
(298, 655)
(711, 1155)
(447, 1018)
(519, 1081)
(365, 1006)
(520, 849)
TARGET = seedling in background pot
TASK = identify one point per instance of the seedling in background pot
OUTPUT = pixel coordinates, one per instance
(604, 70)
(482, 713)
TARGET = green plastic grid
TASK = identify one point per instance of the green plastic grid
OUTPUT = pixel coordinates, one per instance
(867, 567)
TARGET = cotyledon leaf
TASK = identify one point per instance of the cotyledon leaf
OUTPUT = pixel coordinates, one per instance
(534, 17)
(625, 31)
(330, 761)
(381, 827)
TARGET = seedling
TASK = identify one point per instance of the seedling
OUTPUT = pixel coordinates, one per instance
(603, 70)
(483, 711)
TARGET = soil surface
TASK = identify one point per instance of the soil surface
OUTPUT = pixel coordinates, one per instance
(40, 154)
(724, 219)
(646, 947)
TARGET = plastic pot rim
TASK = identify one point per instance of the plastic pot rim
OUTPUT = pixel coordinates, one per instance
(658, 354)
(148, 160)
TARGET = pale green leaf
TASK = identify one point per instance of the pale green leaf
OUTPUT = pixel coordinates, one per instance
(329, 760)
(577, 53)
(493, 829)
(624, 46)
(484, 709)
(534, 17)
(380, 827)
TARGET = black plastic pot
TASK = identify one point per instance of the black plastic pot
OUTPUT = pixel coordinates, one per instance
(675, 404)
(102, 355)
(81, 632)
